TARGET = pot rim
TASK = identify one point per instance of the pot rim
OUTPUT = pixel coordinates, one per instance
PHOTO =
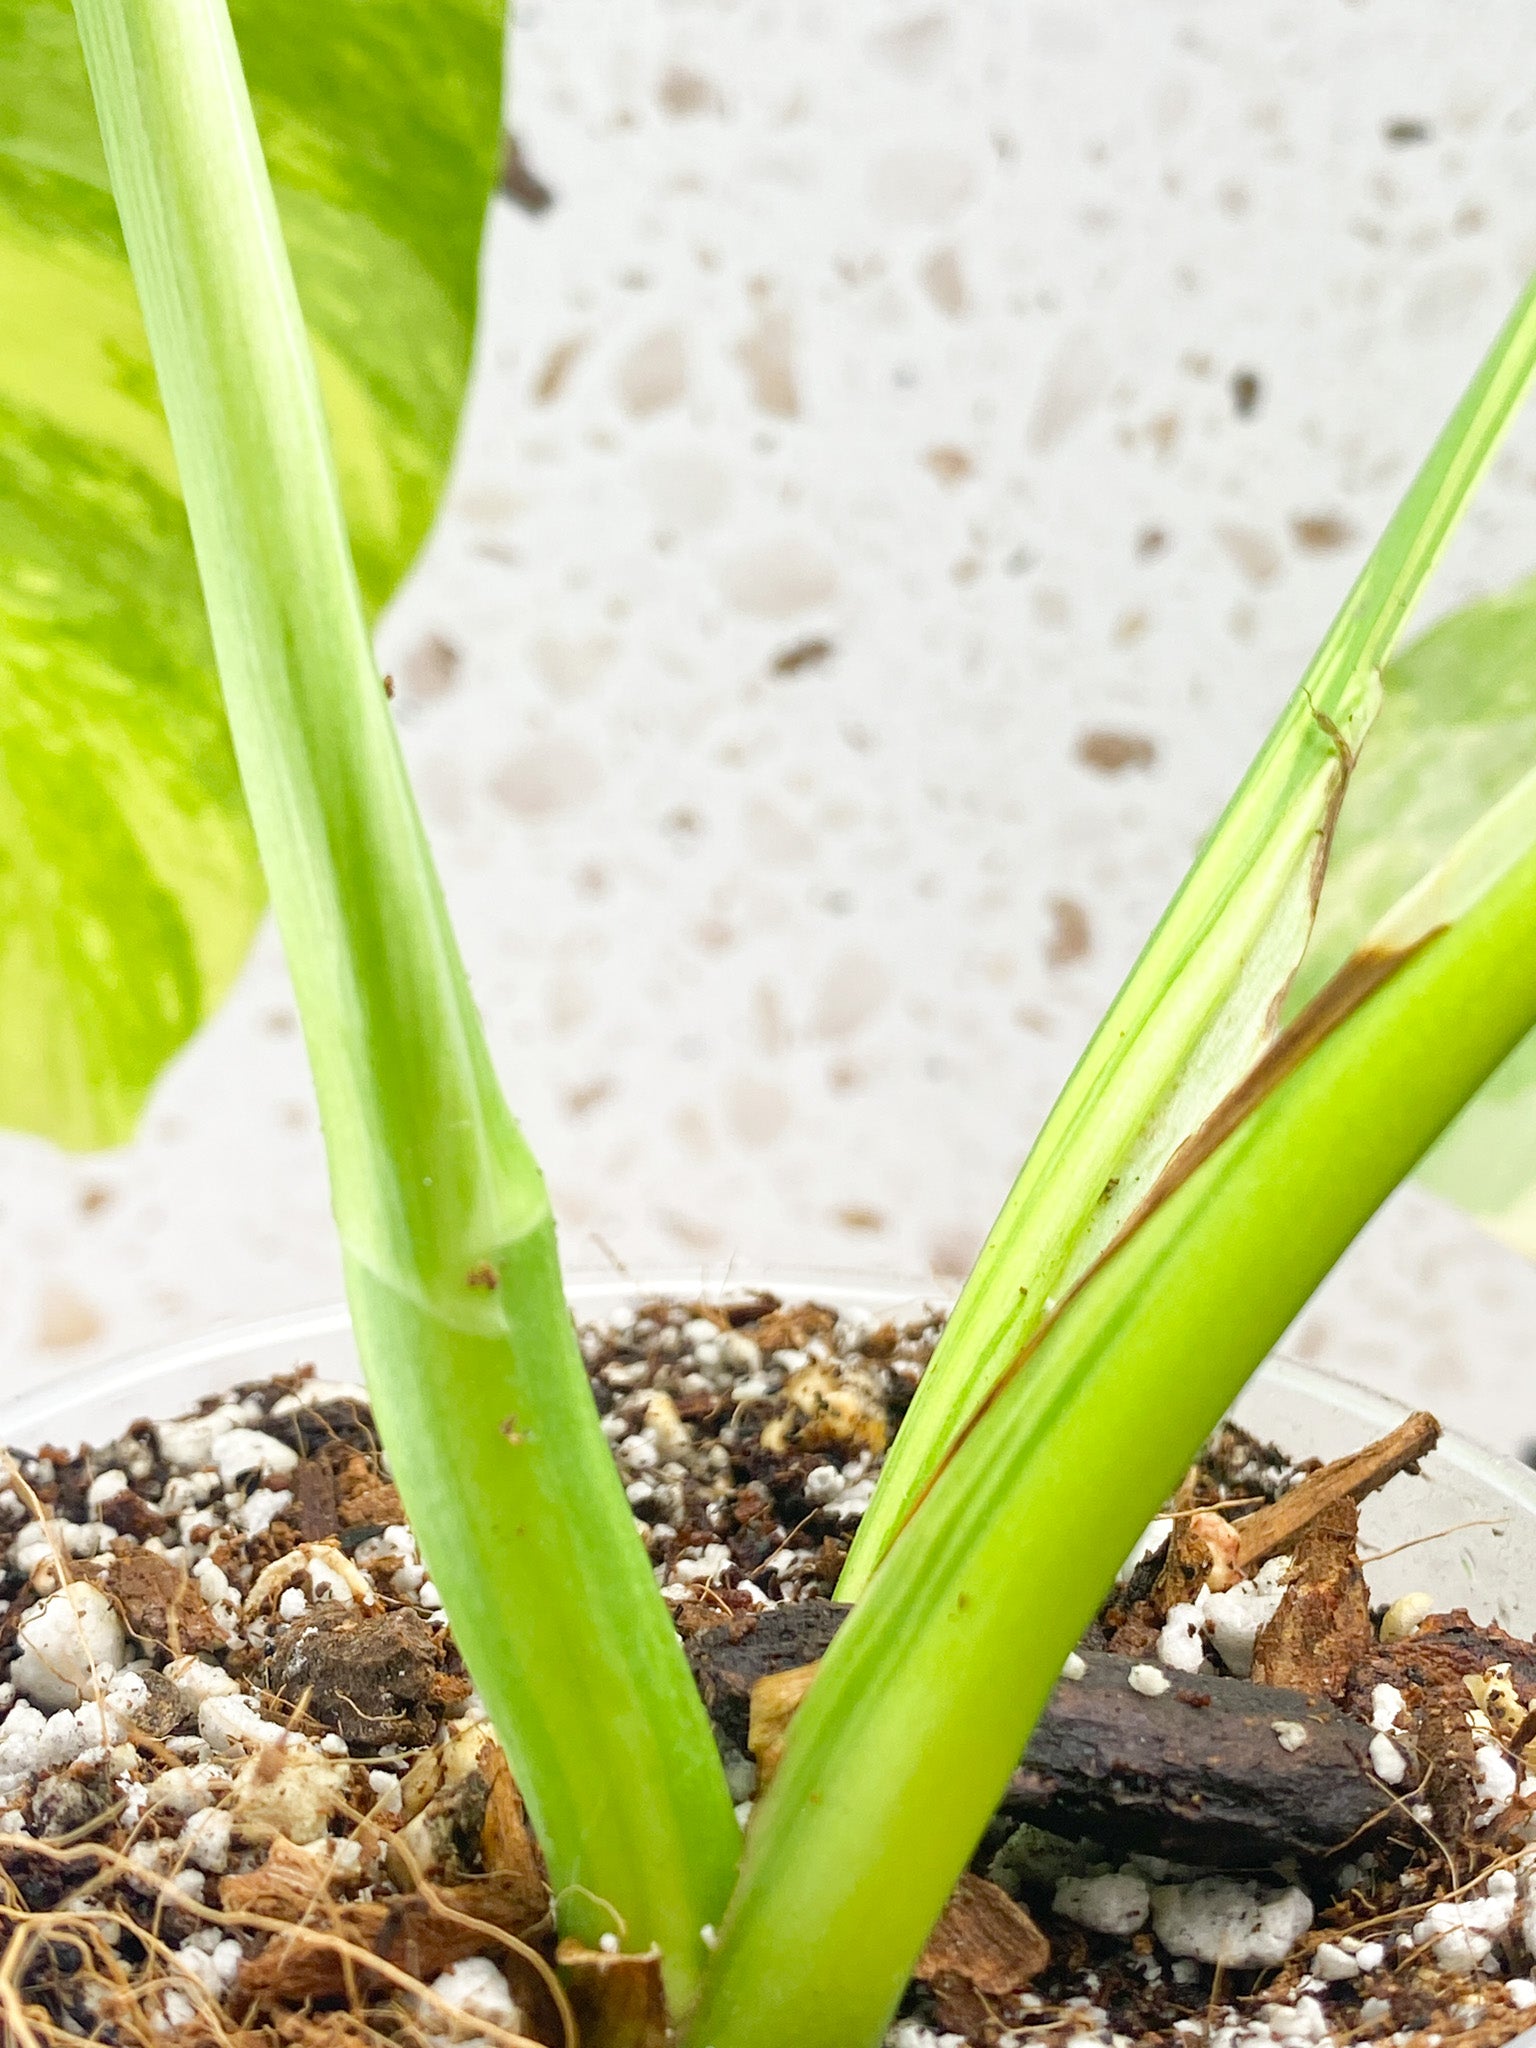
(32, 1415)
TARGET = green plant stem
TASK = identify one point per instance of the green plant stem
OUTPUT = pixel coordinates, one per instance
(1200, 1002)
(445, 1224)
(927, 1696)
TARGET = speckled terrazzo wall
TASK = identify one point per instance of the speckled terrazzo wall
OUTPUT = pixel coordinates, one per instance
(910, 461)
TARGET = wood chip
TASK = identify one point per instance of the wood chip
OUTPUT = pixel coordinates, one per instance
(313, 1485)
(774, 1702)
(1270, 1530)
(412, 1932)
(618, 2000)
(1322, 1628)
(161, 1604)
(290, 1885)
(506, 1842)
(728, 1660)
(986, 1939)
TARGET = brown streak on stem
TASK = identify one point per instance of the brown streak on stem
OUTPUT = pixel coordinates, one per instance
(1356, 981)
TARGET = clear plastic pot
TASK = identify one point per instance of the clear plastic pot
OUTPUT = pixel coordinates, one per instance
(1468, 1521)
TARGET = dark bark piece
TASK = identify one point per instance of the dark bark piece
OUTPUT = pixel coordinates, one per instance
(1322, 1628)
(729, 1660)
(984, 1938)
(370, 1677)
(1446, 1646)
(314, 1500)
(1270, 1530)
(1197, 1771)
(308, 1430)
(131, 1515)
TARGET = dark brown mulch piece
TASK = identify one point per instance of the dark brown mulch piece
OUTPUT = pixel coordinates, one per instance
(1196, 1771)
(729, 1660)
(131, 1515)
(1181, 1778)
(1445, 1646)
(161, 1604)
(314, 1511)
(1430, 1669)
(1322, 1629)
(307, 1430)
(373, 1678)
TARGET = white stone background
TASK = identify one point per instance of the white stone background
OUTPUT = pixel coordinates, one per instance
(910, 327)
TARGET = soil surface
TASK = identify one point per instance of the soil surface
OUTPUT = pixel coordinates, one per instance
(248, 1796)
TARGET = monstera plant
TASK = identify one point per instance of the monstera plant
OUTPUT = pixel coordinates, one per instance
(1205, 1165)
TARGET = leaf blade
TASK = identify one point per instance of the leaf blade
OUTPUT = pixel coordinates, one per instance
(127, 907)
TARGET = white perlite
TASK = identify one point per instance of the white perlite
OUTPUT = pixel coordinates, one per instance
(1387, 1708)
(238, 1451)
(1228, 1920)
(1147, 1680)
(1181, 1645)
(1292, 1735)
(1074, 1668)
(1116, 1903)
(1235, 1617)
(1464, 1930)
(71, 1643)
(1497, 1782)
(1387, 1760)
(477, 1989)
(1335, 1965)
